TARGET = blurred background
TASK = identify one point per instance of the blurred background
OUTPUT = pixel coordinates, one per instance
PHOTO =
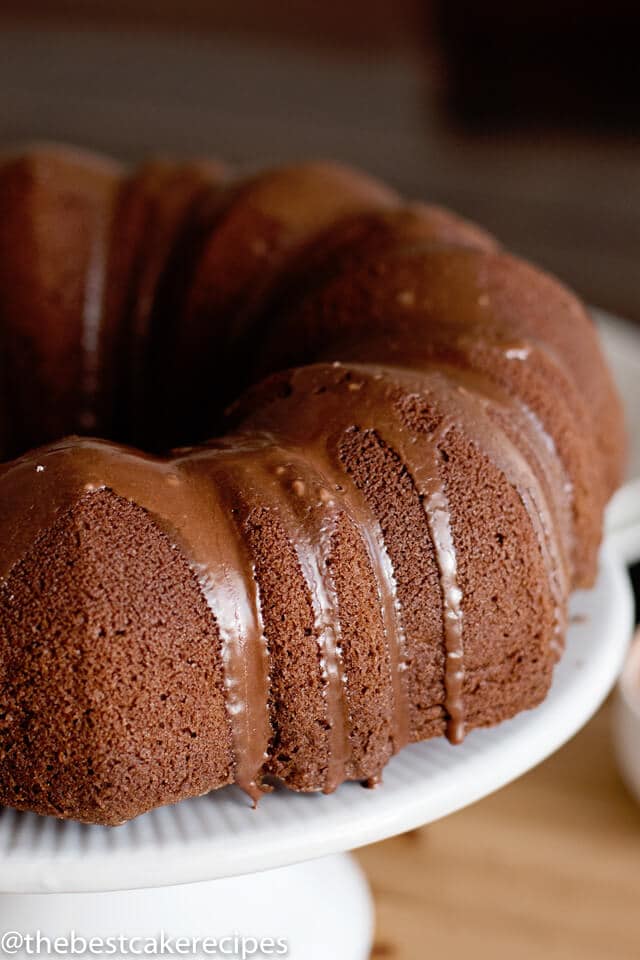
(525, 116)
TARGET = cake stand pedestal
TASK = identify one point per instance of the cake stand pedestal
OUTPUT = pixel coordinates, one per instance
(317, 909)
(214, 868)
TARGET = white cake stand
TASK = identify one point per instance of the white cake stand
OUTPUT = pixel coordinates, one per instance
(214, 867)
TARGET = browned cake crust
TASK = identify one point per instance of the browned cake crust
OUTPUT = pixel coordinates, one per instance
(379, 550)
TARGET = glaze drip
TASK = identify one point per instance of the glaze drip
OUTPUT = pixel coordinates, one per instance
(231, 589)
(310, 523)
(265, 473)
(423, 466)
(326, 457)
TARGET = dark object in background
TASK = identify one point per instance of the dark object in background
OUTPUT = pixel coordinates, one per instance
(567, 62)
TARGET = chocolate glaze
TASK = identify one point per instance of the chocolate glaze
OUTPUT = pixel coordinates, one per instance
(189, 506)
(325, 457)
(425, 474)
(467, 398)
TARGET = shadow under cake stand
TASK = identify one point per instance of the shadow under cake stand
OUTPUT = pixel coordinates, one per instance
(213, 867)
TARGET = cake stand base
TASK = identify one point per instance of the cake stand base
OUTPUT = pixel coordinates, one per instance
(313, 910)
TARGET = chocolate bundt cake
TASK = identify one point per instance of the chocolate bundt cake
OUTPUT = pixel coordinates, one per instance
(417, 435)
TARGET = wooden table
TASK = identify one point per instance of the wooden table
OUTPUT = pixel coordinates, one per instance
(549, 867)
